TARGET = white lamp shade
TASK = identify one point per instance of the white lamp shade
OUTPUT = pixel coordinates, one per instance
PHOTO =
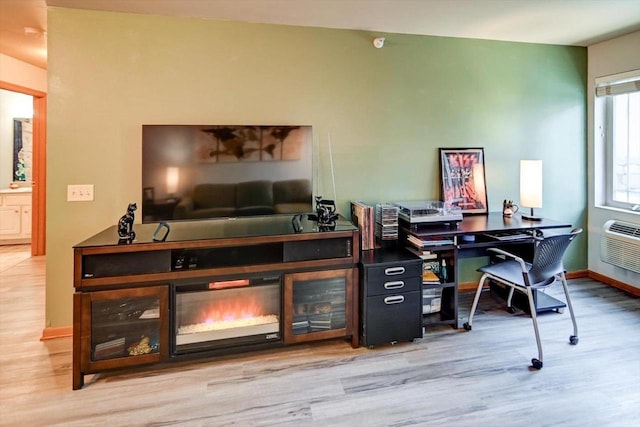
(531, 183)
(172, 179)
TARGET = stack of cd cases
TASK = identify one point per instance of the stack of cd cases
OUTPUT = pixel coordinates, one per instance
(386, 221)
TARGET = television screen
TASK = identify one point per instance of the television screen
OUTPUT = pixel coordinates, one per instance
(211, 171)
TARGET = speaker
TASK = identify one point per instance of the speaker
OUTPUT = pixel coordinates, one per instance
(123, 264)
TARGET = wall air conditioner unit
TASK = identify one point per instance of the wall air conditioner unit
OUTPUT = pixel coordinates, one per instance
(620, 244)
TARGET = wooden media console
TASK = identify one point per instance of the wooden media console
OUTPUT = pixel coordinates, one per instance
(211, 287)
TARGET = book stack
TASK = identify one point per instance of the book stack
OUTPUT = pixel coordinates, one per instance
(386, 222)
(430, 272)
(300, 324)
(320, 322)
(419, 245)
(109, 349)
(305, 323)
(362, 216)
(338, 318)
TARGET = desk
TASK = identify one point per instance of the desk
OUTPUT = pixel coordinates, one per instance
(493, 222)
(471, 239)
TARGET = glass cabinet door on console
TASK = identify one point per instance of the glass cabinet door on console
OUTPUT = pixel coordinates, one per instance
(125, 327)
(318, 305)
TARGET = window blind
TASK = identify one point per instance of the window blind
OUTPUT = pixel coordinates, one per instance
(620, 87)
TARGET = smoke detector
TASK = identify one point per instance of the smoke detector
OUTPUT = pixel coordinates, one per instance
(378, 42)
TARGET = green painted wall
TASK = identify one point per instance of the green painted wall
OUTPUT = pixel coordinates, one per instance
(385, 111)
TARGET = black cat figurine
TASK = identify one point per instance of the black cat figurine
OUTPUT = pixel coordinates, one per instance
(325, 215)
(125, 225)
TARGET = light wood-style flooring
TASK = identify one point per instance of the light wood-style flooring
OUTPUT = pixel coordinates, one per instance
(448, 378)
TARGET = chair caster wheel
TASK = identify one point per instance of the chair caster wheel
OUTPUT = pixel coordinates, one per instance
(573, 340)
(536, 363)
(511, 309)
(466, 326)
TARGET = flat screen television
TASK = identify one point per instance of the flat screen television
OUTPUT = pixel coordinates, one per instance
(192, 172)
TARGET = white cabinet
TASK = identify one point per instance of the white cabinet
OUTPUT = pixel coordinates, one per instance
(9, 220)
(15, 216)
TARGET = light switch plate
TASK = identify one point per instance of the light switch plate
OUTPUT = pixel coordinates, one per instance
(80, 193)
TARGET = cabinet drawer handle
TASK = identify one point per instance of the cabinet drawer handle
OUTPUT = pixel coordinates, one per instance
(397, 299)
(392, 271)
(399, 284)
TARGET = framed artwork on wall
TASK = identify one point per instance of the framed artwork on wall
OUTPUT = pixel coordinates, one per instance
(463, 179)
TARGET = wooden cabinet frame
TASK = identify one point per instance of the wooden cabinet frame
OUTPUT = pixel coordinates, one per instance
(83, 325)
(289, 285)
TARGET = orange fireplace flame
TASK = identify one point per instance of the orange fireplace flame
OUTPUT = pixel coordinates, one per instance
(231, 310)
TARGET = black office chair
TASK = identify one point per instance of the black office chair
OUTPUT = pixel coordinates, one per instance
(519, 275)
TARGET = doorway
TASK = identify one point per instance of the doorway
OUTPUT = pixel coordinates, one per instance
(38, 195)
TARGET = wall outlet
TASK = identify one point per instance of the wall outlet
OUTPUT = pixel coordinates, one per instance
(80, 193)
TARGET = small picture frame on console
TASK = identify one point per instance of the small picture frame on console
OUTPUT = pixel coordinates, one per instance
(148, 194)
(463, 179)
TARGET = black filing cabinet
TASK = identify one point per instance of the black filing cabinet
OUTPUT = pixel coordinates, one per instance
(391, 292)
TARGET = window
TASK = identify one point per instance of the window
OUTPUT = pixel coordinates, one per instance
(619, 99)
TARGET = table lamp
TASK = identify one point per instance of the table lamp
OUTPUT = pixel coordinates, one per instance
(531, 187)
(172, 181)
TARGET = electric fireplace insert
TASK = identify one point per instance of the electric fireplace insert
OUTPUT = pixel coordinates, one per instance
(219, 314)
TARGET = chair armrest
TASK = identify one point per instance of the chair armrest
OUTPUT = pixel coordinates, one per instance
(523, 265)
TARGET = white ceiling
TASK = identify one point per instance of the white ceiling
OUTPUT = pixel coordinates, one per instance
(563, 22)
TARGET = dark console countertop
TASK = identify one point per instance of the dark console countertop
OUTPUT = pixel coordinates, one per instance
(223, 228)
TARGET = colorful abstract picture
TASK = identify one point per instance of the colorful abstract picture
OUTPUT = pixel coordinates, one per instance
(224, 144)
(463, 179)
(22, 150)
